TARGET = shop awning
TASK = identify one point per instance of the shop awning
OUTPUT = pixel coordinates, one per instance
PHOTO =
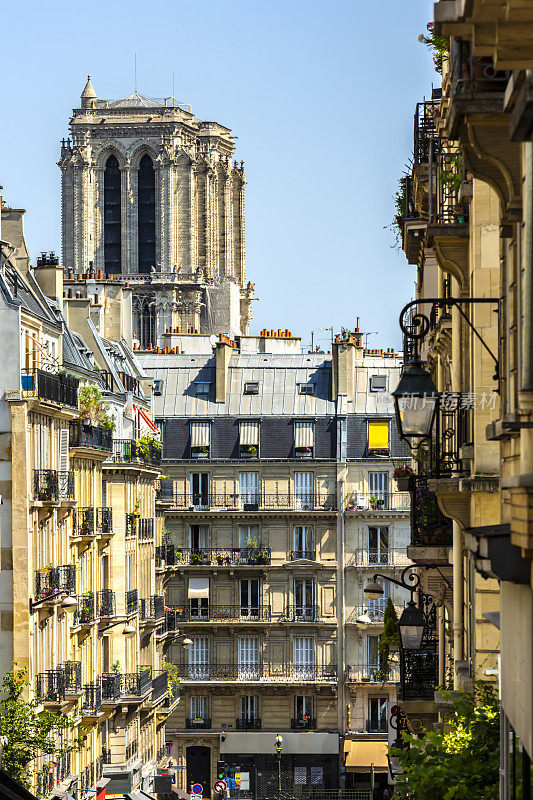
(198, 587)
(359, 755)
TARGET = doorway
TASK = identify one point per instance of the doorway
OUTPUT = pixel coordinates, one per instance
(199, 768)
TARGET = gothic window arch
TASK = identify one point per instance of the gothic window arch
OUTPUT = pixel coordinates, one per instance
(146, 214)
(112, 216)
(145, 318)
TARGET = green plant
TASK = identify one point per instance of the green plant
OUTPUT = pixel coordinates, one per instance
(179, 554)
(173, 680)
(403, 471)
(108, 423)
(116, 668)
(165, 536)
(90, 403)
(389, 640)
(438, 45)
(462, 762)
(220, 559)
(137, 505)
(29, 734)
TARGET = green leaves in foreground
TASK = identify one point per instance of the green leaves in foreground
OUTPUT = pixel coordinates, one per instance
(460, 764)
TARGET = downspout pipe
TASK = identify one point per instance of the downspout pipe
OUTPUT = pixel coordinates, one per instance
(457, 568)
(526, 388)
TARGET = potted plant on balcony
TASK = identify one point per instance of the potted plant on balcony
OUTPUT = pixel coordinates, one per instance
(439, 46)
(373, 502)
(90, 404)
(402, 475)
(220, 559)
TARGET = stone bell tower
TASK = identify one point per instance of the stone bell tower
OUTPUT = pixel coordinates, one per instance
(152, 194)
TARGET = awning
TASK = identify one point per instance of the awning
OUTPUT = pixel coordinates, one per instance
(304, 434)
(199, 434)
(148, 421)
(198, 587)
(378, 435)
(359, 755)
(254, 743)
(249, 433)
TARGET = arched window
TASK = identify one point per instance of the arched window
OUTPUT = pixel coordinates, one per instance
(146, 219)
(112, 217)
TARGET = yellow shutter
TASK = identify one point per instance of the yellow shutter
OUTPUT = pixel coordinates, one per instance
(378, 435)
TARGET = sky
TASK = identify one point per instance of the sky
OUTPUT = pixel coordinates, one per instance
(321, 96)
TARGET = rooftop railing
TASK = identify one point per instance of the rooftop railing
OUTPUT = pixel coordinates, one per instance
(56, 387)
(132, 451)
(256, 501)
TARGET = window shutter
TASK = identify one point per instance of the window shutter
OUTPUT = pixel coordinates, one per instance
(249, 433)
(378, 435)
(304, 434)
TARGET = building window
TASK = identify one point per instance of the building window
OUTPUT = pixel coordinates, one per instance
(200, 439)
(158, 387)
(304, 598)
(198, 710)
(112, 217)
(249, 708)
(376, 608)
(251, 387)
(248, 658)
(249, 597)
(303, 708)
(378, 544)
(198, 654)
(248, 536)
(198, 595)
(199, 537)
(249, 490)
(146, 214)
(378, 489)
(378, 438)
(304, 439)
(306, 388)
(200, 489)
(303, 543)
(249, 439)
(202, 389)
(377, 715)
(304, 485)
(303, 661)
(378, 383)
(372, 651)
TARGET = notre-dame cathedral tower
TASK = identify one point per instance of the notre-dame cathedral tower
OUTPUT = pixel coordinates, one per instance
(150, 192)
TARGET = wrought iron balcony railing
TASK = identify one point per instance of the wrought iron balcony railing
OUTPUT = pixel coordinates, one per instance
(86, 612)
(197, 722)
(51, 581)
(302, 613)
(136, 683)
(248, 724)
(51, 485)
(446, 174)
(145, 529)
(376, 725)
(159, 686)
(298, 555)
(472, 76)
(419, 668)
(152, 608)
(429, 526)
(375, 613)
(269, 671)
(259, 501)
(372, 673)
(72, 670)
(425, 130)
(83, 522)
(104, 520)
(379, 501)
(395, 557)
(131, 750)
(219, 613)
(131, 451)
(91, 702)
(171, 556)
(132, 601)
(105, 603)
(51, 686)
(90, 436)
(452, 432)
(303, 723)
(106, 755)
(55, 387)
(111, 686)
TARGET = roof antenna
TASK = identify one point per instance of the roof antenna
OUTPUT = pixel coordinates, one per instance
(173, 95)
(135, 72)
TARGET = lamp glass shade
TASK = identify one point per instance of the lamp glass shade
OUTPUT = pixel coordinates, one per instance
(373, 591)
(415, 401)
(363, 619)
(411, 626)
(69, 602)
(187, 642)
(128, 630)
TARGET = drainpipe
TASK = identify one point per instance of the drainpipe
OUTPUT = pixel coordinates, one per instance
(457, 565)
(342, 721)
(526, 388)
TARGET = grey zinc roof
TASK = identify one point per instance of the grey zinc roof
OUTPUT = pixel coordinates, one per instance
(278, 377)
(136, 100)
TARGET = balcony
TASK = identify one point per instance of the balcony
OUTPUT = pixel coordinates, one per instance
(72, 671)
(379, 501)
(152, 608)
(105, 603)
(159, 686)
(375, 614)
(52, 581)
(165, 490)
(371, 673)
(53, 387)
(51, 486)
(248, 724)
(197, 723)
(136, 684)
(131, 451)
(426, 137)
(89, 436)
(85, 614)
(217, 613)
(385, 558)
(145, 529)
(132, 601)
(83, 523)
(303, 724)
(131, 750)
(301, 555)
(268, 671)
(302, 613)
(255, 502)
(91, 702)
(51, 686)
(106, 755)
(111, 687)
(171, 556)
(104, 520)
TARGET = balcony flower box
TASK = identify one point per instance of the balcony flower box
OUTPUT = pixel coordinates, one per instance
(402, 476)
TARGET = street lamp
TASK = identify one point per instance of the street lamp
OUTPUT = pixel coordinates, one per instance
(415, 401)
(279, 740)
(411, 626)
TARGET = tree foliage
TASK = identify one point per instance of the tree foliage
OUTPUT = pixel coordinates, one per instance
(28, 733)
(389, 640)
(462, 762)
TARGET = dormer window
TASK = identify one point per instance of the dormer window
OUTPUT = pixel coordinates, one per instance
(200, 439)
(249, 439)
(251, 387)
(304, 439)
(306, 388)
(202, 389)
(378, 383)
(158, 387)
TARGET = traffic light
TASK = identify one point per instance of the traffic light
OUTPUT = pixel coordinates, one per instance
(221, 770)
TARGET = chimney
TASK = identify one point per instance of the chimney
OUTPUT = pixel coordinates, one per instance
(343, 368)
(49, 276)
(223, 350)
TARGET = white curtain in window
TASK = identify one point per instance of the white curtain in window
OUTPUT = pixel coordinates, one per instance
(249, 433)
(199, 658)
(303, 656)
(199, 708)
(200, 434)
(248, 654)
(304, 434)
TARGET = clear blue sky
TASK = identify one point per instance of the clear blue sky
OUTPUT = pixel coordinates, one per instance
(320, 94)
